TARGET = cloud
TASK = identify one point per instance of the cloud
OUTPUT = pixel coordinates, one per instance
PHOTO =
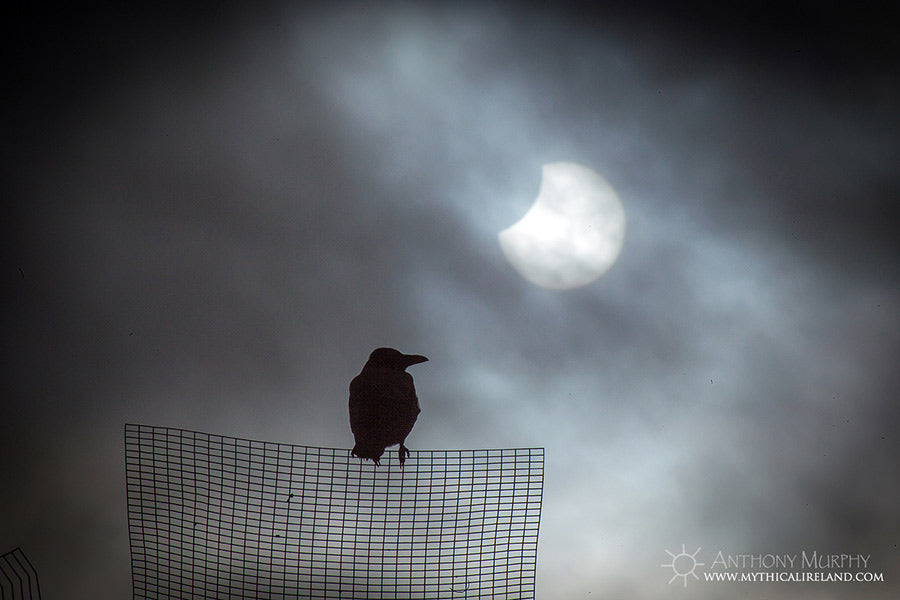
(217, 237)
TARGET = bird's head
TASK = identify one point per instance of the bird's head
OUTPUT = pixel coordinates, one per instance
(388, 358)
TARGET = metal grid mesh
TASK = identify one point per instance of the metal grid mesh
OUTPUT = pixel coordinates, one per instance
(18, 579)
(211, 516)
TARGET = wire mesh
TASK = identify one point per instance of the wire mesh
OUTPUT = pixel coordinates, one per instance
(211, 516)
(18, 579)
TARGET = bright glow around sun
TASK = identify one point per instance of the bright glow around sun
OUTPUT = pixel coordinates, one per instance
(572, 234)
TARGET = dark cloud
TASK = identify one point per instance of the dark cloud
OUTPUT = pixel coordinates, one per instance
(219, 214)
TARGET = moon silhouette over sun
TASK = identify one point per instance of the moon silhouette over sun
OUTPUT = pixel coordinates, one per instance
(573, 232)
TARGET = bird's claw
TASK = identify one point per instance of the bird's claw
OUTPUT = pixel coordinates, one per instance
(403, 452)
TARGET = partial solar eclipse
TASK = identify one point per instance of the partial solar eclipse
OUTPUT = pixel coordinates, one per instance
(573, 232)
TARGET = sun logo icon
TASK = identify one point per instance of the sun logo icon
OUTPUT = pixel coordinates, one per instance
(684, 564)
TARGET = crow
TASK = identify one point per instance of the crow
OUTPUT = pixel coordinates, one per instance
(383, 404)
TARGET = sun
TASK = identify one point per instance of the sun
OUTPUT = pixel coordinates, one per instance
(573, 232)
(683, 564)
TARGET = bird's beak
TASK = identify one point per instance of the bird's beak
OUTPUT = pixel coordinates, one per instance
(414, 359)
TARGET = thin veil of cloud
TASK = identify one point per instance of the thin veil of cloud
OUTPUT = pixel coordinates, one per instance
(221, 217)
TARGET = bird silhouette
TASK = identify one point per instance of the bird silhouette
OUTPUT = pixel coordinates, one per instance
(383, 404)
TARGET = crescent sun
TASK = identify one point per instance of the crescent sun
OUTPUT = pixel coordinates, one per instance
(572, 234)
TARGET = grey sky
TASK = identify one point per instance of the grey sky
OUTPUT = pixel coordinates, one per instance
(218, 216)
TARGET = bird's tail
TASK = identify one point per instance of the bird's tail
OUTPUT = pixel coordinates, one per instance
(368, 451)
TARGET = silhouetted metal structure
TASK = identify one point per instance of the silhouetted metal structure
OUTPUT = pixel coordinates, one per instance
(18, 579)
(219, 517)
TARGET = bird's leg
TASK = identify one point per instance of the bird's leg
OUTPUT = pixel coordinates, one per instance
(403, 452)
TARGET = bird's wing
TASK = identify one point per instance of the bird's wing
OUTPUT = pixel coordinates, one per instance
(383, 406)
(363, 408)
